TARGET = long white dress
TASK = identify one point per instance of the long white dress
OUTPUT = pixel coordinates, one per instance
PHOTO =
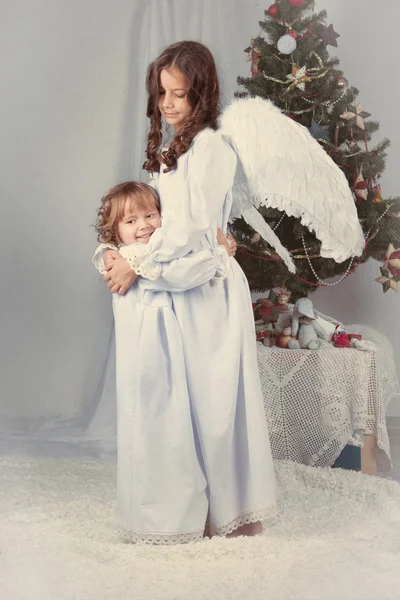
(192, 434)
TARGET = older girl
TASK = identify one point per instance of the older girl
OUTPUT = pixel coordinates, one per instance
(192, 435)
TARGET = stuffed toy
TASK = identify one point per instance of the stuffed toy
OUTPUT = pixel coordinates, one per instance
(267, 310)
(306, 327)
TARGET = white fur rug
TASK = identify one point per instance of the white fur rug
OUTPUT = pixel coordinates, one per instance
(337, 537)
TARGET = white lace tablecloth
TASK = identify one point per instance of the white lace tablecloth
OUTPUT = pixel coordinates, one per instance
(318, 401)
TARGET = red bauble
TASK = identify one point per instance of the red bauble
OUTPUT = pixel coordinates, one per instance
(273, 11)
(296, 3)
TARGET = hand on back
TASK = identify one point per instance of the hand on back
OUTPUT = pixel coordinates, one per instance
(227, 241)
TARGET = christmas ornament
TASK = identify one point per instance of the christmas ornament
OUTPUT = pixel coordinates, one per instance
(342, 83)
(377, 198)
(388, 283)
(273, 11)
(253, 56)
(390, 271)
(355, 116)
(392, 261)
(327, 35)
(376, 192)
(298, 77)
(286, 44)
(360, 188)
(296, 3)
(319, 132)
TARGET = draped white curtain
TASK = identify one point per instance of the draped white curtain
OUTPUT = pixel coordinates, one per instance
(72, 113)
(73, 124)
(219, 25)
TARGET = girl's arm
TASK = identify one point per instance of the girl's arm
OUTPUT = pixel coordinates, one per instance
(211, 170)
(196, 268)
(210, 174)
(178, 275)
(190, 271)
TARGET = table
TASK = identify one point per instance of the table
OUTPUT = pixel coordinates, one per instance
(318, 401)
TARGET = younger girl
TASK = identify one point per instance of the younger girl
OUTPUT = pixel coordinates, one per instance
(192, 434)
(130, 213)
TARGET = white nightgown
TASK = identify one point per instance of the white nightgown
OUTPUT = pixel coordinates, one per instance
(191, 428)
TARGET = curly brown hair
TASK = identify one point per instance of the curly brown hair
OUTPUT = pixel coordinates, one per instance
(197, 64)
(113, 207)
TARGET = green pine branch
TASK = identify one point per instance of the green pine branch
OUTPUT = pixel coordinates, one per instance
(325, 102)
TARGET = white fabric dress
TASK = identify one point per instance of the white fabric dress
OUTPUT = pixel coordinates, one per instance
(192, 433)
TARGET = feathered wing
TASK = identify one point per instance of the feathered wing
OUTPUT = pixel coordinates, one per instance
(282, 166)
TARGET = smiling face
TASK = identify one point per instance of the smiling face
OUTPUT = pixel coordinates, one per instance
(138, 224)
(173, 102)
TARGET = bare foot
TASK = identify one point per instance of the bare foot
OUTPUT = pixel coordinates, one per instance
(249, 529)
(254, 528)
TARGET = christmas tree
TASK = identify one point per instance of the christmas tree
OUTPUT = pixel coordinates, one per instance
(291, 66)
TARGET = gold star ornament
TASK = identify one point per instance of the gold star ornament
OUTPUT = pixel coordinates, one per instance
(298, 77)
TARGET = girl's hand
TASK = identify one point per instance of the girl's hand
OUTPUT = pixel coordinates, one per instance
(120, 276)
(232, 245)
(228, 242)
(109, 257)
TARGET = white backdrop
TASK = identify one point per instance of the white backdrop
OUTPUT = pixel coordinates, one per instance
(73, 124)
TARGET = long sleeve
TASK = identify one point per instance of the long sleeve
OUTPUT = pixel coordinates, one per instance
(210, 171)
(181, 274)
(190, 271)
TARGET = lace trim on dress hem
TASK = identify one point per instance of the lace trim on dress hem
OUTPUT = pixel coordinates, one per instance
(244, 519)
(167, 539)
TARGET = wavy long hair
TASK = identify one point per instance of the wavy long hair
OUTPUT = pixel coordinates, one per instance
(197, 64)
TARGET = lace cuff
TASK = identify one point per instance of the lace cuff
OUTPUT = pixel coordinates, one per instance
(98, 256)
(139, 260)
(224, 263)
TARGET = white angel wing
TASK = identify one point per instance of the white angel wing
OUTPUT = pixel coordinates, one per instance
(282, 166)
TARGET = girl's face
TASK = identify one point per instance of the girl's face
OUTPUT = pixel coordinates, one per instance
(172, 102)
(138, 225)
